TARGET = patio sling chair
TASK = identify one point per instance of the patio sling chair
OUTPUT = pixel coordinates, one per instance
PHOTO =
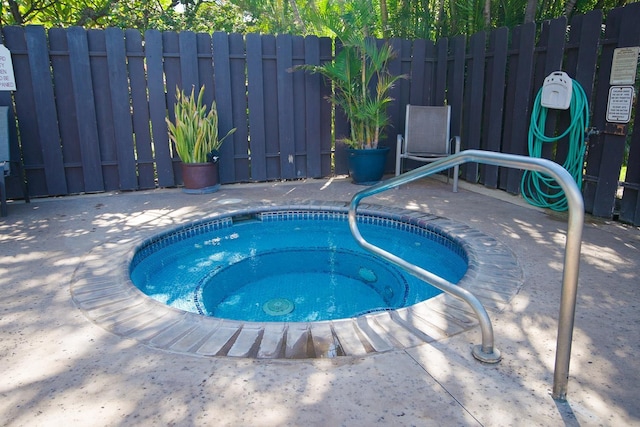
(5, 160)
(426, 137)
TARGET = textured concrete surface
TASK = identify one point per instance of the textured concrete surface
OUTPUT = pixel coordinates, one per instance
(57, 367)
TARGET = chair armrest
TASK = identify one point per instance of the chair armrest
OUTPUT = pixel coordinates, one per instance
(400, 145)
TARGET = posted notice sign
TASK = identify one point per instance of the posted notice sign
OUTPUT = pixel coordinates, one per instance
(624, 65)
(7, 79)
(619, 104)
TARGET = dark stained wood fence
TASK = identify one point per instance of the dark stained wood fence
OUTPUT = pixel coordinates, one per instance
(89, 112)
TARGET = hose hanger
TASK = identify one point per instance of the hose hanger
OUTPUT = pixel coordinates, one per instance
(559, 92)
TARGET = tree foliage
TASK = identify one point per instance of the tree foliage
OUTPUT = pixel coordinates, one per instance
(359, 74)
(394, 18)
(196, 15)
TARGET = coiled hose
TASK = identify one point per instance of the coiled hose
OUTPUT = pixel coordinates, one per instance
(539, 189)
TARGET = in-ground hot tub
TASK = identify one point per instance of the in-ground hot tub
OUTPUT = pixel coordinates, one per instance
(209, 312)
(292, 266)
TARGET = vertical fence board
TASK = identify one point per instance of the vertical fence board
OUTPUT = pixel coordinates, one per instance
(222, 78)
(582, 53)
(188, 61)
(429, 79)
(153, 51)
(342, 131)
(582, 60)
(187, 58)
(65, 103)
(601, 92)
(204, 48)
(326, 119)
(173, 81)
(270, 71)
(612, 157)
(286, 127)
(585, 34)
(312, 99)
(455, 82)
(493, 118)
(105, 123)
(45, 110)
(630, 203)
(255, 89)
(549, 59)
(299, 111)
(24, 106)
(472, 126)
(440, 82)
(417, 74)
(395, 109)
(205, 66)
(121, 108)
(140, 109)
(85, 109)
(205, 71)
(238, 109)
(404, 89)
(516, 140)
(510, 102)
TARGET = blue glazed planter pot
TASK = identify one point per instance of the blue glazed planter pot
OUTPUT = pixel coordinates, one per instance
(366, 167)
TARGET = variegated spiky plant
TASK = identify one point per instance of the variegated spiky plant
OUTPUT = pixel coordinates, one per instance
(195, 131)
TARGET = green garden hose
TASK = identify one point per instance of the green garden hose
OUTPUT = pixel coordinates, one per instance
(539, 189)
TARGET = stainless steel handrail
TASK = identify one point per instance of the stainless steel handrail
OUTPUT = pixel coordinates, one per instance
(487, 352)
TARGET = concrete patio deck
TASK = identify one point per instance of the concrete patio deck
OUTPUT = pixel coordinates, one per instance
(59, 368)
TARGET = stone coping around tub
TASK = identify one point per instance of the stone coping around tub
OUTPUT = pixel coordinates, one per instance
(101, 288)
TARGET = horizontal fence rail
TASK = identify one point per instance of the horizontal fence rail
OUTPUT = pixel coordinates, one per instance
(89, 111)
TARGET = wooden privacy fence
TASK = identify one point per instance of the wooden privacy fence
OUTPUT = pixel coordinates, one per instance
(89, 111)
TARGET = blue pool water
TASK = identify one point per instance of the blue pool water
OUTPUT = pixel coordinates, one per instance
(291, 267)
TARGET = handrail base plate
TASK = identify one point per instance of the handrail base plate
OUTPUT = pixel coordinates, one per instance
(481, 355)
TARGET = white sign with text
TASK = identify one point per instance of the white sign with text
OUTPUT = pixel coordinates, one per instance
(624, 66)
(7, 78)
(620, 104)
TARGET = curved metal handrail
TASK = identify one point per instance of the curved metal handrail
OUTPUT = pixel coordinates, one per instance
(487, 352)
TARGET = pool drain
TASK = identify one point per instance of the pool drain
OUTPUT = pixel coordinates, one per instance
(278, 307)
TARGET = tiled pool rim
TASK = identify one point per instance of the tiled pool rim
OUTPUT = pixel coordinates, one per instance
(101, 288)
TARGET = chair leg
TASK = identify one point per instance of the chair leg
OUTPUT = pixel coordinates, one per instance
(3, 196)
(399, 155)
(23, 180)
(456, 168)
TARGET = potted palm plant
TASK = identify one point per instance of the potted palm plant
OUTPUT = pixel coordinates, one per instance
(194, 134)
(361, 84)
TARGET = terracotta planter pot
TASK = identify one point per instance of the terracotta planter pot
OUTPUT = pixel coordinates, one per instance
(200, 178)
(366, 167)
